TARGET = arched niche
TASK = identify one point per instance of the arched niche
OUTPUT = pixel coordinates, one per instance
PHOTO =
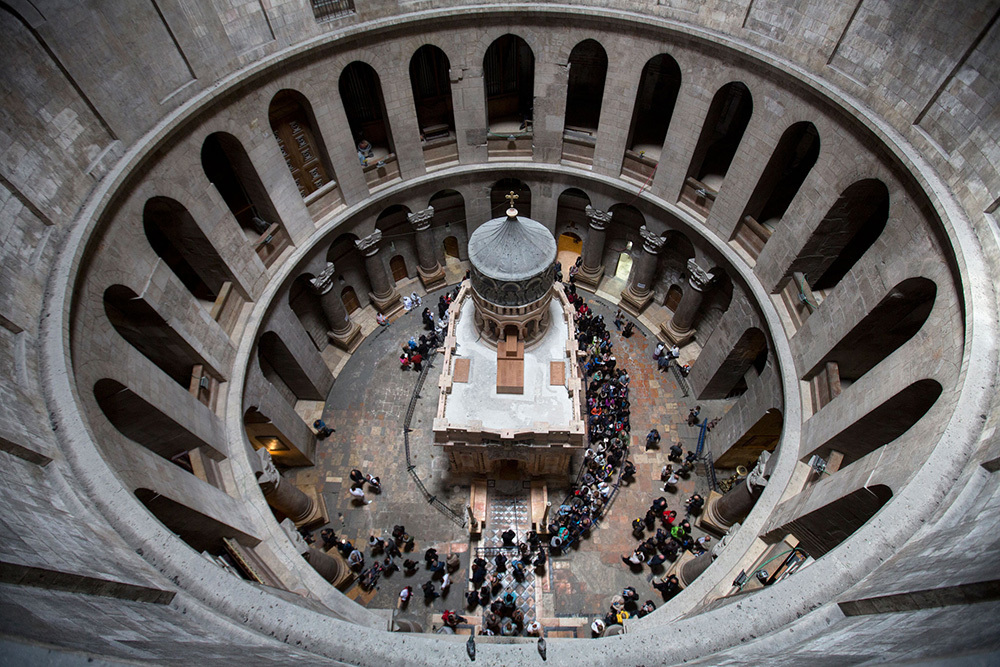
(659, 85)
(144, 329)
(762, 436)
(431, 84)
(790, 163)
(882, 424)
(893, 321)
(227, 165)
(145, 424)
(729, 380)
(509, 77)
(178, 240)
(282, 370)
(823, 529)
(294, 127)
(588, 69)
(364, 104)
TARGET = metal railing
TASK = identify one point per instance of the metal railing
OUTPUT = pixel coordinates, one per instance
(328, 10)
(457, 517)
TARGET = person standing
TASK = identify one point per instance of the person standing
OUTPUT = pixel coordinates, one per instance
(652, 439)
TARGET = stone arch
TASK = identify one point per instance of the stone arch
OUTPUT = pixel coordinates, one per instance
(894, 320)
(145, 424)
(851, 226)
(294, 127)
(823, 529)
(200, 531)
(721, 134)
(883, 423)
(729, 378)
(361, 93)
(431, 84)
(177, 239)
(509, 79)
(449, 222)
(659, 85)
(762, 436)
(571, 210)
(304, 302)
(150, 334)
(229, 168)
(282, 369)
(588, 69)
(349, 266)
(790, 163)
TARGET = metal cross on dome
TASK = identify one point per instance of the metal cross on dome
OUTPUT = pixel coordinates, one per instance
(511, 197)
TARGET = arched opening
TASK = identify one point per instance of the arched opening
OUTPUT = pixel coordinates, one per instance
(655, 98)
(145, 424)
(750, 351)
(896, 319)
(262, 432)
(823, 529)
(451, 247)
(571, 209)
(623, 242)
(361, 93)
(282, 369)
(588, 69)
(727, 120)
(883, 424)
(292, 122)
(849, 229)
(200, 531)
(763, 436)
(304, 302)
(790, 164)
(228, 167)
(431, 86)
(499, 203)
(398, 267)
(673, 297)
(350, 299)
(509, 76)
(623, 268)
(145, 330)
(349, 266)
(568, 249)
(176, 239)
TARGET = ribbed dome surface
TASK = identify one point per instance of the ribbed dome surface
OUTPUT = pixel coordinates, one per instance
(512, 248)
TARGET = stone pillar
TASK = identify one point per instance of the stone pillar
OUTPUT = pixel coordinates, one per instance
(383, 294)
(592, 268)
(639, 292)
(722, 512)
(428, 269)
(284, 496)
(679, 329)
(344, 333)
(329, 567)
(691, 569)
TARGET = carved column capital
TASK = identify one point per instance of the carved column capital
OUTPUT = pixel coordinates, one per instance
(651, 242)
(758, 476)
(268, 476)
(598, 218)
(421, 220)
(369, 244)
(698, 277)
(323, 283)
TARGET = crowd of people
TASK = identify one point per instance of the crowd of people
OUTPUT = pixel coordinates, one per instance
(502, 614)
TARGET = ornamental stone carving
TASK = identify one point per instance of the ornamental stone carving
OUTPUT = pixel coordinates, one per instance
(698, 277)
(598, 218)
(513, 293)
(421, 220)
(651, 242)
(369, 244)
(324, 281)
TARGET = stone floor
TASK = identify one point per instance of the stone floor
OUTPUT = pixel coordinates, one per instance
(367, 406)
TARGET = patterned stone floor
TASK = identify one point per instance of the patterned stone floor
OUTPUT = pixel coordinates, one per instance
(367, 406)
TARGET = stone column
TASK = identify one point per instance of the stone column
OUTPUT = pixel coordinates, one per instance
(281, 494)
(344, 333)
(428, 269)
(329, 567)
(691, 569)
(592, 268)
(680, 329)
(383, 293)
(639, 293)
(722, 512)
